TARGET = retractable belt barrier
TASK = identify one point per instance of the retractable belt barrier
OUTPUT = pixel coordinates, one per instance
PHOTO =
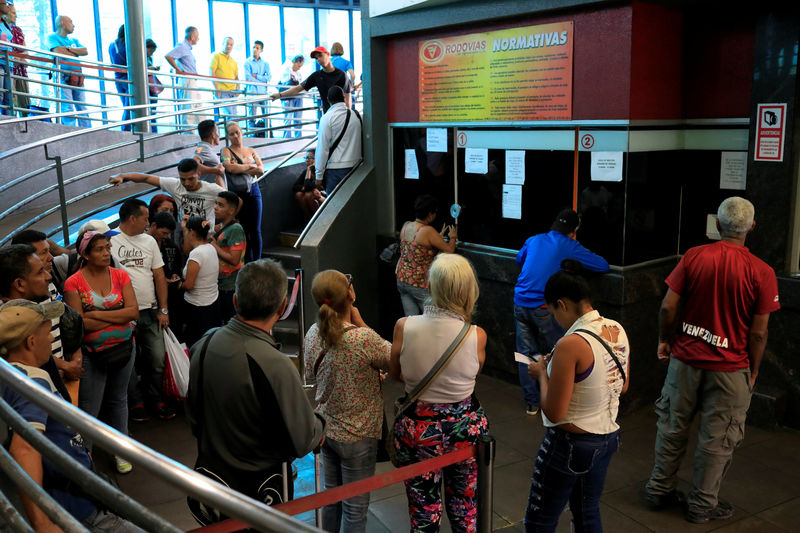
(343, 492)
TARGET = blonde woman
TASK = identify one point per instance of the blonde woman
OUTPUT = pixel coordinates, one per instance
(346, 357)
(446, 416)
(240, 159)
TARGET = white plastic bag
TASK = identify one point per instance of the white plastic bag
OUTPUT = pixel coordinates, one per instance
(177, 365)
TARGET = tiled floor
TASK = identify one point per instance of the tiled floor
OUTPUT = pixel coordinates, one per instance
(763, 482)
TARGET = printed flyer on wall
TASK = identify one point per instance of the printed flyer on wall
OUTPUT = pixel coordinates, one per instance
(512, 74)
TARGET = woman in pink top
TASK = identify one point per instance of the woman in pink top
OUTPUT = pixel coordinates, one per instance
(346, 357)
(419, 244)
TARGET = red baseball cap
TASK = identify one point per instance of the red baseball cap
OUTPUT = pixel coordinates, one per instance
(317, 50)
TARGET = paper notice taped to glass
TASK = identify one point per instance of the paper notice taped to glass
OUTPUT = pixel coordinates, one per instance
(412, 170)
(512, 201)
(476, 160)
(436, 139)
(733, 171)
(607, 166)
(515, 167)
(711, 228)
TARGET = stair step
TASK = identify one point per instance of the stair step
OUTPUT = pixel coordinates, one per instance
(286, 255)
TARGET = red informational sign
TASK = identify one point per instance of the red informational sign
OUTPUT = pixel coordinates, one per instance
(770, 132)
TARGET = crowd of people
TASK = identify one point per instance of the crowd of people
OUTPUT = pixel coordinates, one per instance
(335, 70)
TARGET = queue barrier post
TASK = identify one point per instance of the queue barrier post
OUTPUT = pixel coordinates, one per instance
(485, 459)
(317, 485)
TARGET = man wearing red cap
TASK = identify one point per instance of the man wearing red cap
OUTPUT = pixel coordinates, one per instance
(323, 79)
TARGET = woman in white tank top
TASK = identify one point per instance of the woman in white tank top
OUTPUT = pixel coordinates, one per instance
(447, 416)
(580, 385)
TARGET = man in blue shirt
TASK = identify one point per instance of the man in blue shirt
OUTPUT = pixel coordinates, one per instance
(119, 56)
(540, 258)
(183, 61)
(25, 342)
(256, 69)
(70, 77)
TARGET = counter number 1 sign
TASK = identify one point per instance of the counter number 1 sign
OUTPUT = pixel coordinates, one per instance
(771, 132)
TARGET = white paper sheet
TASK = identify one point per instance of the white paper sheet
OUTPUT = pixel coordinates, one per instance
(512, 201)
(711, 228)
(733, 171)
(412, 170)
(524, 359)
(436, 139)
(607, 166)
(476, 160)
(515, 167)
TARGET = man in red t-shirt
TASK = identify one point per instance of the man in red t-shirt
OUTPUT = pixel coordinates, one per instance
(713, 322)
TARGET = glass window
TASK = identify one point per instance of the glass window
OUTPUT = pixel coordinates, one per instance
(195, 13)
(229, 22)
(82, 14)
(265, 26)
(158, 26)
(333, 28)
(357, 44)
(298, 32)
(36, 21)
(112, 16)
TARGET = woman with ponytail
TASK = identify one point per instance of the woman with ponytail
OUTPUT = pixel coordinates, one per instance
(200, 280)
(345, 357)
(580, 385)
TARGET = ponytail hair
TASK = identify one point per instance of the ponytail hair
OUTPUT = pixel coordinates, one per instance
(329, 289)
(199, 226)
(568, 283)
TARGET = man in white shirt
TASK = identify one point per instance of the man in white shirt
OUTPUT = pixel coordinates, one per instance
(139, 255)
(339, 141)
(194, 197)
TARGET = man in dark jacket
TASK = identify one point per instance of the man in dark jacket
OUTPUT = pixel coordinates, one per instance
(246, 403)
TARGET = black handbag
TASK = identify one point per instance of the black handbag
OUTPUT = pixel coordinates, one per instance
(112, 358)
(238, 183)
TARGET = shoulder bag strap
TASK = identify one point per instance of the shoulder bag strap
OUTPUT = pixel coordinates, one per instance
(437, 369)
(608, 349)
(239, 160)
(335, 144)
(325, 352)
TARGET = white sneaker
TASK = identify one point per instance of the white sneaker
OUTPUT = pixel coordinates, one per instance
(532, 409)
(123, 466)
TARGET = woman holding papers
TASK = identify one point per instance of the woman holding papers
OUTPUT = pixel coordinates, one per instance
(419, 244)
(580, 385)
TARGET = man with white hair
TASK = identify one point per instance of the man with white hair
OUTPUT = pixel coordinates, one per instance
(713, 331)
(72, 93)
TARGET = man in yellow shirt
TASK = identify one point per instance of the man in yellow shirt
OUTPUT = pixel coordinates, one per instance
(225, 67)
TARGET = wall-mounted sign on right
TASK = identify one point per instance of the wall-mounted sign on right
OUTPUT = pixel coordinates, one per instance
(770, 132)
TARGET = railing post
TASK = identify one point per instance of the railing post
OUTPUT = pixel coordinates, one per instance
(10, 73)
(62, 195)
(301, 324)
(485, 460)
(317, 485)
(57, 90)
(141, 145)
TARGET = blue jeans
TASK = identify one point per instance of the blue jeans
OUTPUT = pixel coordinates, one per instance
(412, 298)
(332, 178)
(537, 333)
(76, 94)
(150, 352)
(345, 462)
(250, 219)
(229, 110)
(5, 96)
(570, 467)
(292, 117)
(104, 393)
(124, 88)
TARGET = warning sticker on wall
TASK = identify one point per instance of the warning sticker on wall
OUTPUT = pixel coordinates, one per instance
(770, 132)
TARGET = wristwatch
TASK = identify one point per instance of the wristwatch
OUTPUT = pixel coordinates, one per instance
(164, 311)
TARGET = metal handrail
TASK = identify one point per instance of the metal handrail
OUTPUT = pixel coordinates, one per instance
(232, 503)
(284, 160)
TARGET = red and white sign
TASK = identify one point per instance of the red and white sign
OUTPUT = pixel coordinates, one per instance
(770, 132)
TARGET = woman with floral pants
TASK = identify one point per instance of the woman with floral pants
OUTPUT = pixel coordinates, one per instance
(446, 417)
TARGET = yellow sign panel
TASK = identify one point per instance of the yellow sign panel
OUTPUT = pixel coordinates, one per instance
(505, 75)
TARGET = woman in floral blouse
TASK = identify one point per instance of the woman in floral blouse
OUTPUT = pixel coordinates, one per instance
(419, 244)
(346, 357)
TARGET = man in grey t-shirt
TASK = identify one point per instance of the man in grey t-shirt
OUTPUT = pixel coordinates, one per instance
(207, 156)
